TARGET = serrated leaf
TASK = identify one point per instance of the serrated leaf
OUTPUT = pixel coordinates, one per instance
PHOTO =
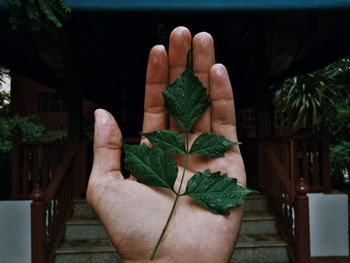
(211, 145)
(167, 141)
(216, 192)
(186, 99)
(150, 165)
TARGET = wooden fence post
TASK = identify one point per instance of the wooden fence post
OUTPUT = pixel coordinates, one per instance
(302, 227)
(38, 222)
(15, 163)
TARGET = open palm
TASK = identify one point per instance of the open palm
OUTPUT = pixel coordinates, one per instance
(134, 214)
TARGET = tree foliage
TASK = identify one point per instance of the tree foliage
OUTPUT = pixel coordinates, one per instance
(340, 157)
(38, 15)
(314, 99)
(321, 98)
(31, 129)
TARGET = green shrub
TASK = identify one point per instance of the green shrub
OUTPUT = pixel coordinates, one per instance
(31, 130)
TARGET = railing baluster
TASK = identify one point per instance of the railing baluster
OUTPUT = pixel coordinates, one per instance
(26, 171)
(293, 168)
(324, 161)
(35, 176)
(16, 163)
(44, 166)
(315, 165)
(305, 161)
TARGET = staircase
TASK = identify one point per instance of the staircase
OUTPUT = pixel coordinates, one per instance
(86, 241)
(259, 241)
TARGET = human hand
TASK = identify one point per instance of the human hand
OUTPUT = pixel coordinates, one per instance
(134, 214)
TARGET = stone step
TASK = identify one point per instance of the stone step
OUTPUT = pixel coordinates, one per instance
(260, 249)
(87, 242)
(87, 251)
(84, 228)
(78, 228)
(249, 249)
(254, 202)
(258, 223)
(82, 209)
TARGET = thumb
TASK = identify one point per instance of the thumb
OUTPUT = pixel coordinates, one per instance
(107, 144)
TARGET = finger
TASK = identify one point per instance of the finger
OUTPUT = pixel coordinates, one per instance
(107, 144)
(223, 116)
(179, 46)
(203, 60)
(155, 115)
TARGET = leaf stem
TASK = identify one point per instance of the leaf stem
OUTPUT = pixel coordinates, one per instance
(175, 202)
(185, 164)
(164, 229)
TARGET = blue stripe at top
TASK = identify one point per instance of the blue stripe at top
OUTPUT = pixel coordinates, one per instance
(200, 5)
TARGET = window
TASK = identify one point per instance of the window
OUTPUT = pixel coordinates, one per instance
(51, 102)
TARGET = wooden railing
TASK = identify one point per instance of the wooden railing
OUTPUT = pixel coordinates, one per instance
(51, 208)
(288, 168)
(33, 163)
(312, 160)
(51, 175)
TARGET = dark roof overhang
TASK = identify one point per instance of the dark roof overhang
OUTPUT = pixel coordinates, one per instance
(107, 42)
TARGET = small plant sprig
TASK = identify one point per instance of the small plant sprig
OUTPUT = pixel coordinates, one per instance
(186, 99)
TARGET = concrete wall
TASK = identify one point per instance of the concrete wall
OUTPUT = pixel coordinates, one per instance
(329, 229)
(15, 237)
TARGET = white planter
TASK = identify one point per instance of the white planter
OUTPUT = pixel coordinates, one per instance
(329, 229)
(15, 237)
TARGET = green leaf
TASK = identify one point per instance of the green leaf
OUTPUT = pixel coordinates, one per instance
(186, 99)
(167, 141)
(150, 166)
(32, 11)
(49, 14)
(211, 145)
(216, 192)
(64, 6)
